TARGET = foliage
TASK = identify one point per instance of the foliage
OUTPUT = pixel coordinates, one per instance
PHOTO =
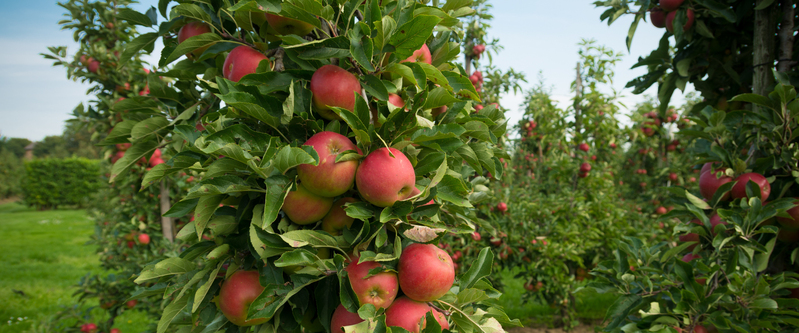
(14, 145)
(51, 182)
(12, 171)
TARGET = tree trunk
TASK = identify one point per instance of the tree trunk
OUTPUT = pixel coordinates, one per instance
(167, 225)
(578, 88)
(786, 37)
(764, 40)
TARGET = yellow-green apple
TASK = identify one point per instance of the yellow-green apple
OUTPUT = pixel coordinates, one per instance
(793, 221)
(241, 61)
(287, 26)
(379, 289)
(670, 5)
(421, 55)
(333, 86)
(709, 183)
(426, 272)
(410, 315)
(337, 219)
(236, 295)
(341, 318)
(328, 178)
(739, 189)
(303, 207)
(382, 179)
(191, 29)
(658, 17)
(689, 21)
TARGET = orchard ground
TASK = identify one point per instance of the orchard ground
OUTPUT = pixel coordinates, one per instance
(44, 255)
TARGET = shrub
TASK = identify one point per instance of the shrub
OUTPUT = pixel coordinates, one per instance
(50, 183)
(11, 173)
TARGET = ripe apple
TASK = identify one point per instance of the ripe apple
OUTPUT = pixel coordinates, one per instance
(689, 22)
(658, 17)
(236, 295)
(287, 26)
(342, 317)
(192, 29)
(93, 65)
(670, 5)
(700, 329)
(502, 207)
(585, 167)
(328, 178)
(333, 86)
(144, 238)
(396, 100)
(130, 304)
(382, 179)
(476, 236)
(709, 183)
(421, 55)
(336, 219)
(410, 315)
(583, 147)
(425, 272)
(792, 222)
(661, 210)
(690, 237)
(690, 256)
(739, 189)
(304, 207)
(241, 61)
(379, 289)
(673, 176)
(115, 330)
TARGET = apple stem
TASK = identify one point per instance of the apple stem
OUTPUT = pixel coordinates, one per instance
(445, 312)
(240, 40)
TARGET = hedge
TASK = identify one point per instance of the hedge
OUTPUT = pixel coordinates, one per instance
(50, 183)
(12, 171)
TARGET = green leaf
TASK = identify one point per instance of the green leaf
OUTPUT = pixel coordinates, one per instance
(412, 35)
(199, 295)
(144, 42)
(133, 155)
(479, 269)
(361, 46)
(120, 133)
(621, 308)
(148, 127)
(133, 17)
(289, 157)
(171, 311)
(206, 207)
(166, 267)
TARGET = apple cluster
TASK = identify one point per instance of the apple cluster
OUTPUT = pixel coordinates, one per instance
(662, 15)
(478, 50)
(477, 81)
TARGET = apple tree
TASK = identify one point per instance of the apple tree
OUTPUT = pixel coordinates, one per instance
(332, 143)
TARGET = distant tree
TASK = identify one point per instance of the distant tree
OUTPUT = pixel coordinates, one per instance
(52, 146)
(15, 145)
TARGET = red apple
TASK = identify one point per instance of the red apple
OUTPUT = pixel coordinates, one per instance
(502, 207)
(130, 304)
(236, 295)
(425, 272)
(304, 207)
(156, 161)
(410, 315)
(342, 317)
(700, 329)
(287, 26)
(690, 237)
(379, 289)
(115, 330)
(192, 29)
(421, 55)
(336, 219)
(583, 147)
(793, 222)
(476, 236)
(382, 179)
(739, 189)
(396, 100)
(657, 17)
(333, 86)
(328, 178)
(585, 167)
(661, 210)
(144, 239)
(670, 5)
(673, 176)
(241, 61)
(690, 256)
(93, 65)
(709, 183)
(689, 22)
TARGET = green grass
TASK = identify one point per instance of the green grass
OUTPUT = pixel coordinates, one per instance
(591, 306)
(43, 254)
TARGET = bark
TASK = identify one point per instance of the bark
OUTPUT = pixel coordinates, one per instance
(764, 40)
(578, 88)
(167, 225)
(786, 37)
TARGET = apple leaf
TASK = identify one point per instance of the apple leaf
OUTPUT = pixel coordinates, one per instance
(296, 257)
(276, 190)
(148, 127)
(412, 35)
(206, 206)
(289, 157)
(133, 155)
(144, 42)
(133, 17)
(120, 133)
(171, 311)
(199, 295)
(407, 73)
(361, 46)
(422, 234)
(375, 87)
(461, 85)
(439, 96)
(166, 267)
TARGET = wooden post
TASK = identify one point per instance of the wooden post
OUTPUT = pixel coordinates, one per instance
(763, 59)
(167, 225)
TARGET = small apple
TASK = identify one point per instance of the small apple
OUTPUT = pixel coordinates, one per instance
(661, 210)
(342, 317)
(396, 100)
(382, 179)
(379, 289)
(93, 65)
(739, 189)
(304, 207)
(241, 61)
(236, 295)
(287, 26)
(425, 272)
(583, 147)
(585, 167)
(337, 219)
(502, 207)
(131, 303)
(333, 86)
(670, 5)
(476, 236)
(328, 178)
(658, 17)
(191, 29)
(144, 238)
(410, 315)
(689, 22)
(673, 176)
(421, 55)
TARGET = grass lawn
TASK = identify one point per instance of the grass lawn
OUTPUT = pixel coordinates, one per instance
(43, 254)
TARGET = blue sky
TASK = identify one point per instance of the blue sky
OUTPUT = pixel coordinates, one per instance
(538, 36)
